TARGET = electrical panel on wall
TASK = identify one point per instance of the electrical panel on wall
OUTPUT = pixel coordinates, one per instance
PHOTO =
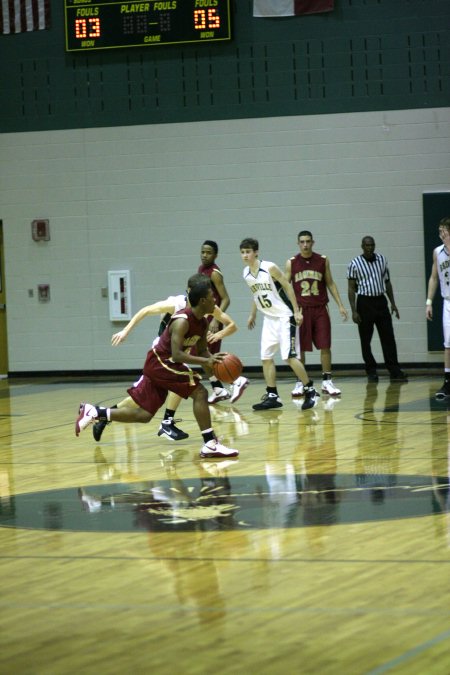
(119, 293)
(40, 230)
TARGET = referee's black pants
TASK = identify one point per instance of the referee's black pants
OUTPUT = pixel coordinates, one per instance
(374, 311)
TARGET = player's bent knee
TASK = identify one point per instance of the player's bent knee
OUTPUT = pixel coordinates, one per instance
(199, 393)
(143, 416)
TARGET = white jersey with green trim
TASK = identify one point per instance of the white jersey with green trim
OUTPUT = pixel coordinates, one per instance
(266, 292)
(443, 269)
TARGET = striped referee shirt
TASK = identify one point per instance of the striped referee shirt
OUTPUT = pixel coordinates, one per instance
(370, 276)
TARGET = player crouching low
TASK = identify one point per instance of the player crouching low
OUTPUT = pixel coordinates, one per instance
(167, 368)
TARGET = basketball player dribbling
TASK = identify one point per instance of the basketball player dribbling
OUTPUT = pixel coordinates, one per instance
(166, 308)
(167, 368)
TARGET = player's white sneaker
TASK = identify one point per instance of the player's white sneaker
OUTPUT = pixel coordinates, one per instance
(215, 449)
(219, 394)
(239, 386)
(86, 415)
(329, 388)
(298, 390)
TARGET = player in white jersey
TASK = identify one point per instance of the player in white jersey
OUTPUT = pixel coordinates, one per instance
(166, 308)
(440, 272)
(270, 287)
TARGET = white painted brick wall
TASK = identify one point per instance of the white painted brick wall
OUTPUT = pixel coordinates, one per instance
(145, 197)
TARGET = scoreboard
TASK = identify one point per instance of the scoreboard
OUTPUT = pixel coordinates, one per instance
(91, 25)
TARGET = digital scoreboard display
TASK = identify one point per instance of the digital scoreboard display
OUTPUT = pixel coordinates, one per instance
(110, 25)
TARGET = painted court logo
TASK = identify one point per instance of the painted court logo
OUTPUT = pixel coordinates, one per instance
(222, 502)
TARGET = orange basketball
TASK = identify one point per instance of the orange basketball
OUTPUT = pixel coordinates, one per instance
(229, 369)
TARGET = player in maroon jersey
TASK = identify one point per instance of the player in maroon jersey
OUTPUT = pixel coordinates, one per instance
(209, 267)
(167, 368)
(310, 276)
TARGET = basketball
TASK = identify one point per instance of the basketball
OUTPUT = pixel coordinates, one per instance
(229, 369)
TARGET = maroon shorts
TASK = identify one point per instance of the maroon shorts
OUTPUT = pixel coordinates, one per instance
(315, 329)
(160, 377)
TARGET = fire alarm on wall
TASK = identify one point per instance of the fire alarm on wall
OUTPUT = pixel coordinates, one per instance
(40, 230)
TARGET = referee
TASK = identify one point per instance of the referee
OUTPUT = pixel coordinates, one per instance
(368, 284)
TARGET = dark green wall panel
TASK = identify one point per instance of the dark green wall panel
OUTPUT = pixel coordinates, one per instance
(366, 55)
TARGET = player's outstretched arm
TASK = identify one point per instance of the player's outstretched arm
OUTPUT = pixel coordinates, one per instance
(228, 329)
(161, 307)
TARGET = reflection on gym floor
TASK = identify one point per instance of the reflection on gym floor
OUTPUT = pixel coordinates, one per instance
(330, 531)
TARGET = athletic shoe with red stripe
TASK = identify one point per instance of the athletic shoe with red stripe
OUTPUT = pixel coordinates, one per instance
(213, 449)
(239, 386)
(86, 415)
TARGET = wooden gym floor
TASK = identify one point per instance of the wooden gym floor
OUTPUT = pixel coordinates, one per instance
(323, 549)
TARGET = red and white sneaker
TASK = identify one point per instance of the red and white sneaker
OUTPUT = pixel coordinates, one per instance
(219, 394)
(86, 415)
(213, 449)
(239, 386)
(298, 391)
(329, 388)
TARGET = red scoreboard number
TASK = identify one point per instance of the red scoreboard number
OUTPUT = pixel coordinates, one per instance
(90, 28)
(87, 28)
(206, 19)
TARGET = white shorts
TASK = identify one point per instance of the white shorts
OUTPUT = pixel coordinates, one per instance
(276, 334)
(446, 323)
